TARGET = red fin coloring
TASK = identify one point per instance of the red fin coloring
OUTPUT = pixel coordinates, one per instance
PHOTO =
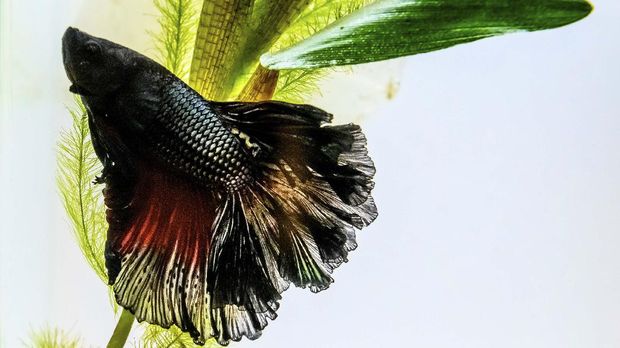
(161, 236)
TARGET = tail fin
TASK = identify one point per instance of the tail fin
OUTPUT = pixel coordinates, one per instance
(298, 217)
(240, 280)
(309, 231)
(313, 189)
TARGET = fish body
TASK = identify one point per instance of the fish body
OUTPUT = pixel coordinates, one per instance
(188, 135)
(214, 208)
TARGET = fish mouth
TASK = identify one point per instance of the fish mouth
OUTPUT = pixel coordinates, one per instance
(71, 39)
(75, 89)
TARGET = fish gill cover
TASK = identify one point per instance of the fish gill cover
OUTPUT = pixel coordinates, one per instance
(261, 50)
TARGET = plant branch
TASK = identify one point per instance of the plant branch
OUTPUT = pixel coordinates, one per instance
(121, 331)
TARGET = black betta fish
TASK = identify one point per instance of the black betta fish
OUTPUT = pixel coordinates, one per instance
(214, 207)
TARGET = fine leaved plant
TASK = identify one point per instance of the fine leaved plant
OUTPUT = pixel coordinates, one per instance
(77, 168)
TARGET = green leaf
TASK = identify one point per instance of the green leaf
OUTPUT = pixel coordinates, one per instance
(394, 28)
(315, 17)
(297, 85)
(269, 19)
(218, 40)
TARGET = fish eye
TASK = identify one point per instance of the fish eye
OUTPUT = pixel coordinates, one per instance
(92, 47)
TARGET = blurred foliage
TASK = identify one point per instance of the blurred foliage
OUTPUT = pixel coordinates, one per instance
(49, 337)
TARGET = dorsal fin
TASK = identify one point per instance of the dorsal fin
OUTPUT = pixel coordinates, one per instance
(294, 134)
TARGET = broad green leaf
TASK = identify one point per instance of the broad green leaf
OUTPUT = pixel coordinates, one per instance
(298, 85)
(269, 22)
(394, 28)
(218, 40)
(315, 17)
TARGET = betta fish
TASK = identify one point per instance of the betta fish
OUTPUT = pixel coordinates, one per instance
(214, 208)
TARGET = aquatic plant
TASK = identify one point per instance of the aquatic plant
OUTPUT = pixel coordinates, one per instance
(259, 50)
(52, 337)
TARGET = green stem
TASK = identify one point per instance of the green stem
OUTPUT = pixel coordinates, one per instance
(121, 331)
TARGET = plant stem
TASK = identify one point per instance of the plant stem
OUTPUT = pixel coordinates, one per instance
(121, 331)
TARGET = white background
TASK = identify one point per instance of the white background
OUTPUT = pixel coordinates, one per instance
(498, 186)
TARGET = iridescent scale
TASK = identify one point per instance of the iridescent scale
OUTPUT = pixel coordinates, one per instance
(190, 137)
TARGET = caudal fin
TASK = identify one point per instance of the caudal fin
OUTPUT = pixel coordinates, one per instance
(311, 194)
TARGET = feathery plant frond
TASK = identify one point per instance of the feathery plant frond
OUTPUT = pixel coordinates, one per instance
(78, 166)
(49, 337)
(177, 21)
(158, 337)
(296, 86)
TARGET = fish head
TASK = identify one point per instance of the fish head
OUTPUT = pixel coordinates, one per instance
(95, 66)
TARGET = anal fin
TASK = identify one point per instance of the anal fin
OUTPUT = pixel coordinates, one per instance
(158, 246)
